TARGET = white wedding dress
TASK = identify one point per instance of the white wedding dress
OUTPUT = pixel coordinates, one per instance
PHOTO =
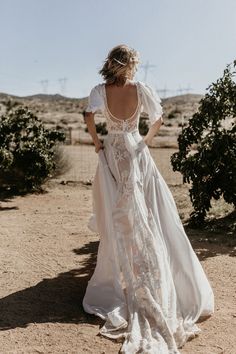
(148, 284)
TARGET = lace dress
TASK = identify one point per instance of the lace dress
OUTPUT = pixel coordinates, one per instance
(148, 284)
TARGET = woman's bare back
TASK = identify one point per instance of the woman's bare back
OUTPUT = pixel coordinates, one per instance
(122, 101)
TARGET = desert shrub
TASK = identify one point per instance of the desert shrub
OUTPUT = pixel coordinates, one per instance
(143, 126)
(62, 162)
(59, 127)
(101, 128)
(182, 124)
(174, 113)
(212, 168)
(27, 150)
(10, 104)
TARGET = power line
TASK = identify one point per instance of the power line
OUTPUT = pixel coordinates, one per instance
(162, 92)
(181, 90)
(62, 82)
(146, 67)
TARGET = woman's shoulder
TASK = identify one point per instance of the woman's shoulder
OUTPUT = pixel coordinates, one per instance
(98, 87)
(148, 90)
(143, 84)
(144, 87)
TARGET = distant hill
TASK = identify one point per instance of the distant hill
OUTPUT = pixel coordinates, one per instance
(174, 107)
(65, 112)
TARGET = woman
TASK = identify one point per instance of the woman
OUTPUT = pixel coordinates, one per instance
(148, 284)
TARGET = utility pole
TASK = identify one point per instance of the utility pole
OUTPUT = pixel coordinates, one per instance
(146, 67)
(62, 82)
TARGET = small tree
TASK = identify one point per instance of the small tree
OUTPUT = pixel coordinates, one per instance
(27, 150)
(212, 168)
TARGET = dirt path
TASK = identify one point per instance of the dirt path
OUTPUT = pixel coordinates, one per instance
(47, 257)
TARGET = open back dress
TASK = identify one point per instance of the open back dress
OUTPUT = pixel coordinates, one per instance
(148, 284)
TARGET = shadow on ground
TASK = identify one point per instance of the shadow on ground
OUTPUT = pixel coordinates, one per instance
(215, 237)
(53, 300)
(8, 196)
(59, 299)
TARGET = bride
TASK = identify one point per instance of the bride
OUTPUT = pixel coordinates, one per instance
(148, 284)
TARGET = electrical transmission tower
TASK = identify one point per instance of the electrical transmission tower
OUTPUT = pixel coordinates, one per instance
(162, 92)
(44, 84)
(181, 90)
(62, 82)
(146, 67)
(189, 88)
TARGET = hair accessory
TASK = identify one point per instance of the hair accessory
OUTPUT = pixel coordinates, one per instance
(119, 61)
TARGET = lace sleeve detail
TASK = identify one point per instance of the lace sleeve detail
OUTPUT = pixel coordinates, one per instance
(151, 103)
(95, 100)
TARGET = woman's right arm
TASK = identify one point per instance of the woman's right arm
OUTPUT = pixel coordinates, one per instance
(89, 120)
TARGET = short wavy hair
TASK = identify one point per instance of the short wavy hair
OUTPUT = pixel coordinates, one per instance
(121, 64)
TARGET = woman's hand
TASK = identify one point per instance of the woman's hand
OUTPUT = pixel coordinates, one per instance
(98, 146)
(89, 119)
(147, 140)
(153, 129)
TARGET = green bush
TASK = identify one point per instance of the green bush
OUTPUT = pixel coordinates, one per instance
(212, 168)
(27, 150)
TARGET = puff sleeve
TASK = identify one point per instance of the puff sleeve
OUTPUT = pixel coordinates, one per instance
(151, 103)
(95, 100)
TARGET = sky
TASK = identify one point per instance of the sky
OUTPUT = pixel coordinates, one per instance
(58, 46)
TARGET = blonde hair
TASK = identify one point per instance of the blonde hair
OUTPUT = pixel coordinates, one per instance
(120, 64)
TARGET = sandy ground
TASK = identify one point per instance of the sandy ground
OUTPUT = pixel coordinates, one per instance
(48, 254)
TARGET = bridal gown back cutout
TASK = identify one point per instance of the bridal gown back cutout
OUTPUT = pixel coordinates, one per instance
(148, 284)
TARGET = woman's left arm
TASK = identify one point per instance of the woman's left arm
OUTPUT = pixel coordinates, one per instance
(154, 128)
